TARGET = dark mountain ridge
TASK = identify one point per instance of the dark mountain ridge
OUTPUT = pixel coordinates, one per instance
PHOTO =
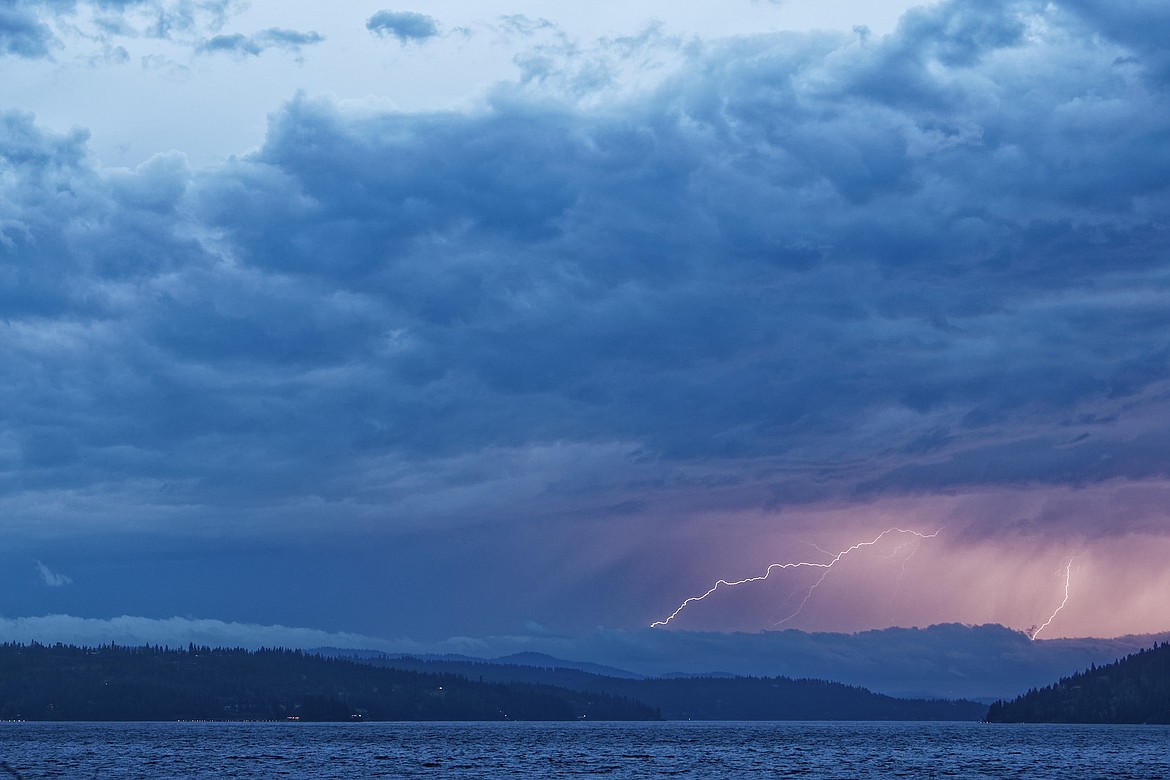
(705, 697)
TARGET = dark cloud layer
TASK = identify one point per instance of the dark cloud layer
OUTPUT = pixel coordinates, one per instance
(801, 247)
(804, 267)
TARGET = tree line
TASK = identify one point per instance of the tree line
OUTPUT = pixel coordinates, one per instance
(110, 682)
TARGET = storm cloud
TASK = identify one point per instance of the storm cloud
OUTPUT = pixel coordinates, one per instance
(799, 268)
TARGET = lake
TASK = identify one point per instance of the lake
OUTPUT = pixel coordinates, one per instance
(559, 750)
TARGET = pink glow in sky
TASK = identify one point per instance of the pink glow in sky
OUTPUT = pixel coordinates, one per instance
(982, 567)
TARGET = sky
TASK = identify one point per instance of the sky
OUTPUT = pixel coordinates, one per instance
(503, 318)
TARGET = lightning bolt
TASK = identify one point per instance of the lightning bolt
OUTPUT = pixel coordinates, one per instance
(1067, 582)
(795, 565)
(913, 545)
(819, 549)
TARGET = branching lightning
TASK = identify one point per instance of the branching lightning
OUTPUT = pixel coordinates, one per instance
(795, 565)
(1067, 582)
(807, 595)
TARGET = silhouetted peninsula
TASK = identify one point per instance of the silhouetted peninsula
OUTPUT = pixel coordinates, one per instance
(1135, 689)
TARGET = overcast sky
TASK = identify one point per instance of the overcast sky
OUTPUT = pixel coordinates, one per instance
(486, 318)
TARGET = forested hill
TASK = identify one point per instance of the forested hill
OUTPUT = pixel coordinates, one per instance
(711, 698)
(1135, 689)
(62, 682)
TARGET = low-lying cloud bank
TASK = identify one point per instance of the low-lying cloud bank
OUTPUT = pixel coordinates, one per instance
(180, 632)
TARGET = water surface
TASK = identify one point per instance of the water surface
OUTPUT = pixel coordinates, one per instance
(547, 750)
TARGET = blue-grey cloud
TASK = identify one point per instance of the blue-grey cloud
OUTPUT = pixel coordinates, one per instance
(890, 217)
(31, 28)
(525, 25)
(254, 45)
(22, 34)
(908, 230)
(1135, 25)
(170, 19)
(405, 26)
